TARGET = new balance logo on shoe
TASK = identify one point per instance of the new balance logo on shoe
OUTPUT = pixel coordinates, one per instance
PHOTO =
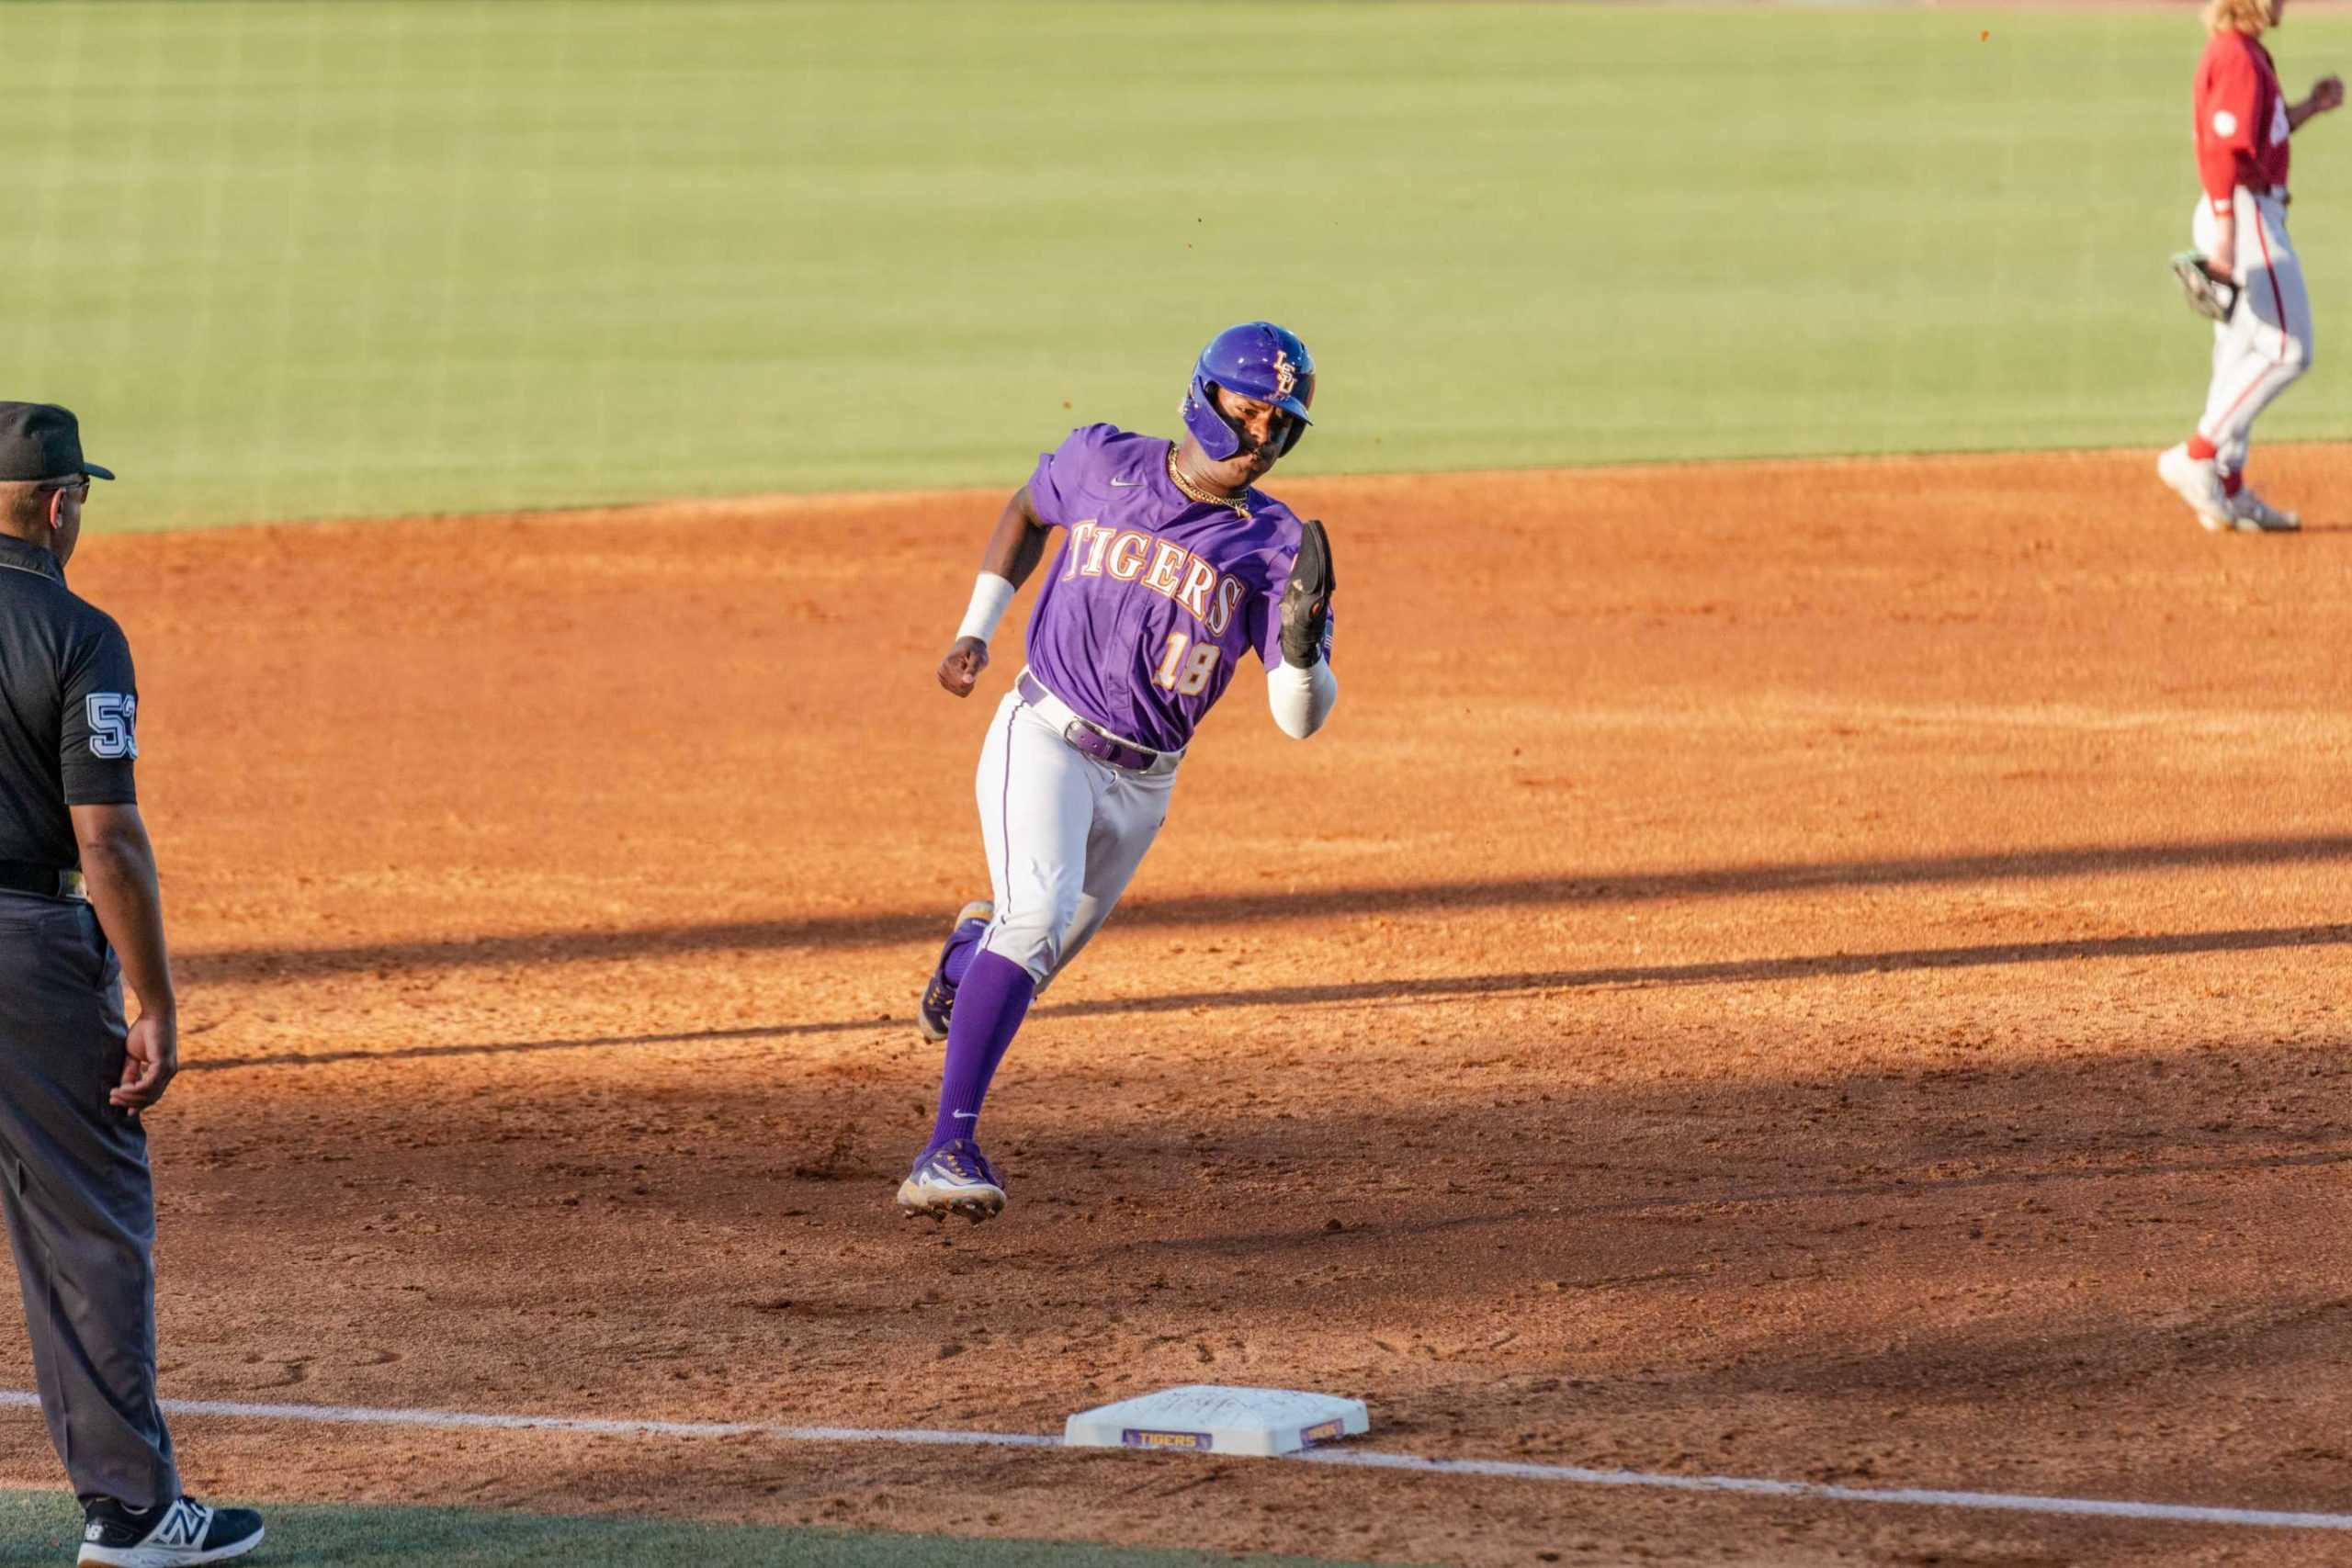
(184, 1526)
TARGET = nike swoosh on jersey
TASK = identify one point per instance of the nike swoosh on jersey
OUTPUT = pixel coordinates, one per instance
(1127, 484)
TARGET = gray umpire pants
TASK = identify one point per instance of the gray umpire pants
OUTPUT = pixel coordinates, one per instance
(81, 1210)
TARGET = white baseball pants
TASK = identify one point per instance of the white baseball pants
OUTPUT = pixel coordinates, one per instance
(1064, 834)
(2266, 342)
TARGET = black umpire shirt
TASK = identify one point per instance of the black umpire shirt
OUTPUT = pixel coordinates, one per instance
(68, 704)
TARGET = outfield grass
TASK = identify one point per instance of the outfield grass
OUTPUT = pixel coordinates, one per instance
(45, 1527)
(343, 256)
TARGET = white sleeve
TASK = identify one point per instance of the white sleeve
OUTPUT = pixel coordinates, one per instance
(1301, 699)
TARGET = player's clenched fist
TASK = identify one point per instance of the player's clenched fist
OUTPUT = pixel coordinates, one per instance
(960, 670)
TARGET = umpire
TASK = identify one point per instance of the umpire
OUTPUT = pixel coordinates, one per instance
(79, 913)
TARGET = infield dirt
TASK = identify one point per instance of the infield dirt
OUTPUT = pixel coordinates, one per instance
(1822, 971)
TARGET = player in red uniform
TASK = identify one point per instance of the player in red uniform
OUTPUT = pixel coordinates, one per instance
(2243, 122)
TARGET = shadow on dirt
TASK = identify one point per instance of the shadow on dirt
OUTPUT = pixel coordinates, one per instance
(1920, 1248)
(229, 965)
(1623, 977)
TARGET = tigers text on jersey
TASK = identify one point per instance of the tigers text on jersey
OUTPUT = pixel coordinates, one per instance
(1155, 596)
(68, 704)
(2241, 118)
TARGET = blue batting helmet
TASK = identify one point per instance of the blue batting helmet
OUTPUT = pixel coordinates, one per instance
(1257, 359)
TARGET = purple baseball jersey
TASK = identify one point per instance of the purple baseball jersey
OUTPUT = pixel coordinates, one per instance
(1155, 596)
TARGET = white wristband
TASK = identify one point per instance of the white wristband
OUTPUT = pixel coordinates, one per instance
(992, 595)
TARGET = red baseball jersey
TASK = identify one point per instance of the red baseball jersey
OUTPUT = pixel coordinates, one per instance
(2241, 117)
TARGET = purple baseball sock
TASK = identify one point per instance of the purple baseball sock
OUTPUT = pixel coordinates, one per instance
(990, 1002)
(961, 947)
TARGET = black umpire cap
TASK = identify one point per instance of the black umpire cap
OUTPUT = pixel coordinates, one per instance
(41, 441)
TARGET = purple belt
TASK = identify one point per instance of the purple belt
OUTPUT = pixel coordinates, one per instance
(1096, 742)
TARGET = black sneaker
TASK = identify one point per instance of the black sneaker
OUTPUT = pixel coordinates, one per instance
(169, 1537)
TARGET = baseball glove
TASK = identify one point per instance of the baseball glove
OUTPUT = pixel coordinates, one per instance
(1306, 598)
(2209, 294)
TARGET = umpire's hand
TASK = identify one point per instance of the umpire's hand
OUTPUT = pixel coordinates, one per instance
(154, 1056)
(118, 870)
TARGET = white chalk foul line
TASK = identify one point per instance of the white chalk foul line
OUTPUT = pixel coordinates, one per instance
(2007, 1502)
(465, 1420)
(1364, 1459)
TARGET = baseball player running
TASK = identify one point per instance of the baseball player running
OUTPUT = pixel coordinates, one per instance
(1172, 568)
(2252, 282)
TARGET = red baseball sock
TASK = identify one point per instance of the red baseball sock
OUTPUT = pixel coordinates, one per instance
(2201, 449)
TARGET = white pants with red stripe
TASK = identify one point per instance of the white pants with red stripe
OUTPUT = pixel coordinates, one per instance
(2267, 343)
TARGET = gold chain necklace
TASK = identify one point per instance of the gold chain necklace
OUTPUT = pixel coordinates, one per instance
(1239, 504)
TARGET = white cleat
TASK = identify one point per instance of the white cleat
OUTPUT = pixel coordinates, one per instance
(2249, 513)
(2197, 483)
(954, 1178)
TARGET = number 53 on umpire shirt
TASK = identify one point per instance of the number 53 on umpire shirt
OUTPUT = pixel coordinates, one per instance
(68, 735)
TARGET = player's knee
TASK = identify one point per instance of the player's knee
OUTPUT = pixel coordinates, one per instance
(1034, 940)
